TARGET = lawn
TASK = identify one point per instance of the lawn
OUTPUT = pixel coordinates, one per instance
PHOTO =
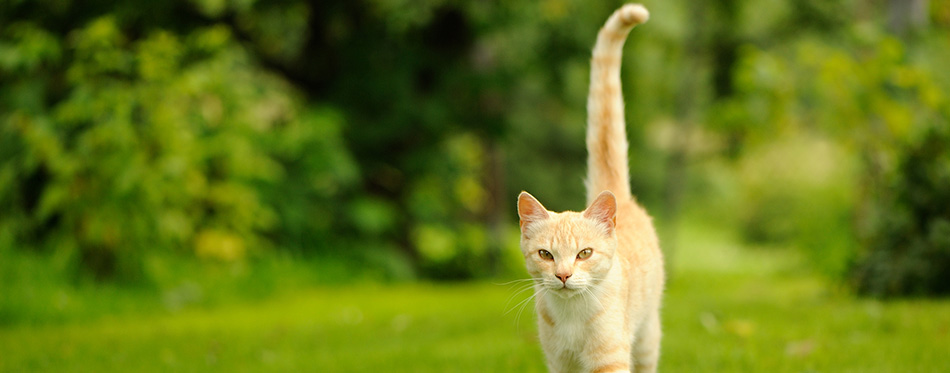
(727, 309)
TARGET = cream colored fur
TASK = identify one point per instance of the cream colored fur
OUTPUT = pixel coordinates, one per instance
(598, 313)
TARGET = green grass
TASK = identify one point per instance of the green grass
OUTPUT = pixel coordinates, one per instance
(727, 309)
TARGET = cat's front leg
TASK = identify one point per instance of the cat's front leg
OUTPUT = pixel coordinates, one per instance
(646, 352)
(610, 354)
(561, 361)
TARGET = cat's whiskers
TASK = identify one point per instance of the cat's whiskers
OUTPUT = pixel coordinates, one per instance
(523, 306)
(592, 281)
(524, 303)
(522, 289)
(514, 281)
(588, 290)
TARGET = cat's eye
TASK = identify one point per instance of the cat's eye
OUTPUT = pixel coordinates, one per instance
(584, 254)
(546, 255)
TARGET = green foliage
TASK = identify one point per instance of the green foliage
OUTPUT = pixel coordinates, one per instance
(456, 110)
(396, 135)
(868, 94)
(116, 149)
(908, 244)
(798, 191)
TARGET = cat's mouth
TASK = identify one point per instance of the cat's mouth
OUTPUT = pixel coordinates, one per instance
(566, 291)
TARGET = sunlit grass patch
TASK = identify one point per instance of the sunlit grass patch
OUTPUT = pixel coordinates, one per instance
(755, 312)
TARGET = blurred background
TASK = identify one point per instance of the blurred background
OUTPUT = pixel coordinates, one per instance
(164, 156)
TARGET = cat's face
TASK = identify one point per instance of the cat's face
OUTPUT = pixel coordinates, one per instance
(568, 252)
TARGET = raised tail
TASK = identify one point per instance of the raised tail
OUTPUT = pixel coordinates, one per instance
(607, 167)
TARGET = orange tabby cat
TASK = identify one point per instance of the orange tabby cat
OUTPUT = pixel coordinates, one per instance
(598, 273)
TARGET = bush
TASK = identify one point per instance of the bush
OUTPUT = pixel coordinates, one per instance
(798, 191)
(908, 246)
(114, 148)
(870, 93)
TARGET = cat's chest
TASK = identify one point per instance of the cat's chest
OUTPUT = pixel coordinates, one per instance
(571, 331)
(571, 327)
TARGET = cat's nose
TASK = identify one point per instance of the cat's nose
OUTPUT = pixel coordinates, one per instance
(563, 276)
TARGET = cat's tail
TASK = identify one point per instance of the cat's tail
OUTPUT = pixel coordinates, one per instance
(607, 167)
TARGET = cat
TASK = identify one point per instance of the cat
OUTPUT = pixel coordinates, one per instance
(598, 274)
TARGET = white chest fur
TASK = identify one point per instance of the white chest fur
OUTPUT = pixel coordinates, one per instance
(572, 321)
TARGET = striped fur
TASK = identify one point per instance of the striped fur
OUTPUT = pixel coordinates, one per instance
(598, 313)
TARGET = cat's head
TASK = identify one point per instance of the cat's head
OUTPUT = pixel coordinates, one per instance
(568, 252)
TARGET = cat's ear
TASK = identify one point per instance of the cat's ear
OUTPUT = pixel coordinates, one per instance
(604, 210)
(530, 210)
